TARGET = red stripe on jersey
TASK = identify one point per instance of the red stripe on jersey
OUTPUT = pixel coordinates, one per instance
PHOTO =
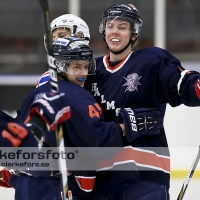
(113, 68)
(27, 119)
(140, 157)
(42, 80)
(117, 66)
(62, 115)
(197, 88)
(86, 183)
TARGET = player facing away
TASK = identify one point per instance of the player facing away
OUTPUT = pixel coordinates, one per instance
(65, 26)
(150, 78)
(17, 134)
(13, 134)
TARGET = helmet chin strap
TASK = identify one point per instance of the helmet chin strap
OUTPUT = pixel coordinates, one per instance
(117, 52)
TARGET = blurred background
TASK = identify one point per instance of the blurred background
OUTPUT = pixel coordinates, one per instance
(22, 29)
(23, 59)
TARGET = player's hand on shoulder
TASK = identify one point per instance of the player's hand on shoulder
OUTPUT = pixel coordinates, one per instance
(140, 121)
(52, 109)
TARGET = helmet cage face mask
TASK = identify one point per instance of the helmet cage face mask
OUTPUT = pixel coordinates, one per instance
(124, 12)
(63, 66)
(66, 50)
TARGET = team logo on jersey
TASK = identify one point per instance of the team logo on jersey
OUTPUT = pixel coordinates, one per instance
(132, 82)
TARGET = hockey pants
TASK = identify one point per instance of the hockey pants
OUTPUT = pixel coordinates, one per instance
(34, 188)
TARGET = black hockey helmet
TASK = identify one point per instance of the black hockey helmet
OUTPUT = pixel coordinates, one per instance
(127, 12)
(70, 49)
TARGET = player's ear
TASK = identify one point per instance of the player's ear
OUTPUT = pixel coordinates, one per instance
(134, 36)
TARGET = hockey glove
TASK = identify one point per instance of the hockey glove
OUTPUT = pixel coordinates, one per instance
(53, 109)
(4, 178)
(140, 121)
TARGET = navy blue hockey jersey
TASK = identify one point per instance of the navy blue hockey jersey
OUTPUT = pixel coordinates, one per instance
(85, 112)
(148, 78)
(14, 134)
(85, 128)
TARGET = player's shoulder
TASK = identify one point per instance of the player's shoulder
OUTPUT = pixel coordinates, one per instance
(99, 59)
(5, 117)
(31, 95)
(70, 88)
(44, 78)
(155, 51)
(73, 91)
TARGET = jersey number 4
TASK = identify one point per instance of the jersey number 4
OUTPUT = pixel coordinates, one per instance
(95, 110)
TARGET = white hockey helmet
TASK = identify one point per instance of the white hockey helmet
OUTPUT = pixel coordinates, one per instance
(77, 26)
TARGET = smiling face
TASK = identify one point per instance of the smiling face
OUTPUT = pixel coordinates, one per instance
(118, 34)
(77, 72)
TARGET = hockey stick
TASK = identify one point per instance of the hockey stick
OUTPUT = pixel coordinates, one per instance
(54, 90)
(189, 176)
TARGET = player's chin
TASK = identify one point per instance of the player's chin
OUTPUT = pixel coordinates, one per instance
(80, 83)
(114, 48)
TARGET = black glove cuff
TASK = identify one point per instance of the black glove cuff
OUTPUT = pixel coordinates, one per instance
(141, 121)
(37, 126)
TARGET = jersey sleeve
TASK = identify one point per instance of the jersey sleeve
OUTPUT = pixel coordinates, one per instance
(178, 85)
(43, 79)
(87, 120)
(23, 112)
(14, 134)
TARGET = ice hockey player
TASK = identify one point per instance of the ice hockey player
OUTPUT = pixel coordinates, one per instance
(17, 134)
(65, 26)
(149, 78)
(75, 61)
(96, 132)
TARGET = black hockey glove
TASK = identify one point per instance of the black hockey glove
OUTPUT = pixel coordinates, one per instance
(140, 121)
(52, 109)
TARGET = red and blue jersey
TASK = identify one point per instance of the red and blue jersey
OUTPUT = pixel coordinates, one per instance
(85, 128)
(43, 79)
(15, 134)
